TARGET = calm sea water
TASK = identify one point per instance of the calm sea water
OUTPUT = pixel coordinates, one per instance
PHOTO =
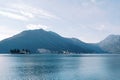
(59, 67)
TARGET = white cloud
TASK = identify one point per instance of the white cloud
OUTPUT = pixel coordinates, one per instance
(97, 27)
(6, 32)
(34, 26)
(25, 12)
(101, 27)
(93, 1)
(13, 15)
(32, 12)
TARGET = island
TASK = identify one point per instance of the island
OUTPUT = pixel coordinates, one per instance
(20, 51)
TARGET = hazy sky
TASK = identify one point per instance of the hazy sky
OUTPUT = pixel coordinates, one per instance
(87, 20)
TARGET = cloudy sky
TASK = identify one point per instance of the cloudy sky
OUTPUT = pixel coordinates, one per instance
(87, 20)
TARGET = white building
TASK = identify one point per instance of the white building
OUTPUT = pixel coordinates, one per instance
(42, 50)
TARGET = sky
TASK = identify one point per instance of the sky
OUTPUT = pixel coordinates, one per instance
(88, 20)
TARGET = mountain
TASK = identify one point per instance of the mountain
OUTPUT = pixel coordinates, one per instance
(111, 44)
(37, 39)
(90, 46)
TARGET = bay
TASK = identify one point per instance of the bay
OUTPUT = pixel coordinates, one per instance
(60, 67)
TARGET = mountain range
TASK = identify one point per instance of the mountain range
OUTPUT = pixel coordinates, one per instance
(41, 39)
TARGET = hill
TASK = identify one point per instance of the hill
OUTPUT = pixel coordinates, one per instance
(41, 39)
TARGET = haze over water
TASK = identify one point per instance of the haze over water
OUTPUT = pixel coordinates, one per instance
(59, 67)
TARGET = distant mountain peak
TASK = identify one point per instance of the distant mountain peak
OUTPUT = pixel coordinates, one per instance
(113, 36)
(111, 43)
(35, 30)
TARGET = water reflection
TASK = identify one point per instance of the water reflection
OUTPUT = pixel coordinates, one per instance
(59, 67)
(44, 68)
(113, 67)
(93, 68)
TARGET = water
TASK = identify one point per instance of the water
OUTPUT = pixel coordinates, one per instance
(60, 67)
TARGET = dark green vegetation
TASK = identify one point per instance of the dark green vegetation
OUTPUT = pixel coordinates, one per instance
(18, 51)
(37, 39)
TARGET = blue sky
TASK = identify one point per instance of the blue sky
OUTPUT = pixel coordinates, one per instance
(87, 20)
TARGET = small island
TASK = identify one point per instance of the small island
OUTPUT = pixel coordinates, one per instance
(20, 51)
